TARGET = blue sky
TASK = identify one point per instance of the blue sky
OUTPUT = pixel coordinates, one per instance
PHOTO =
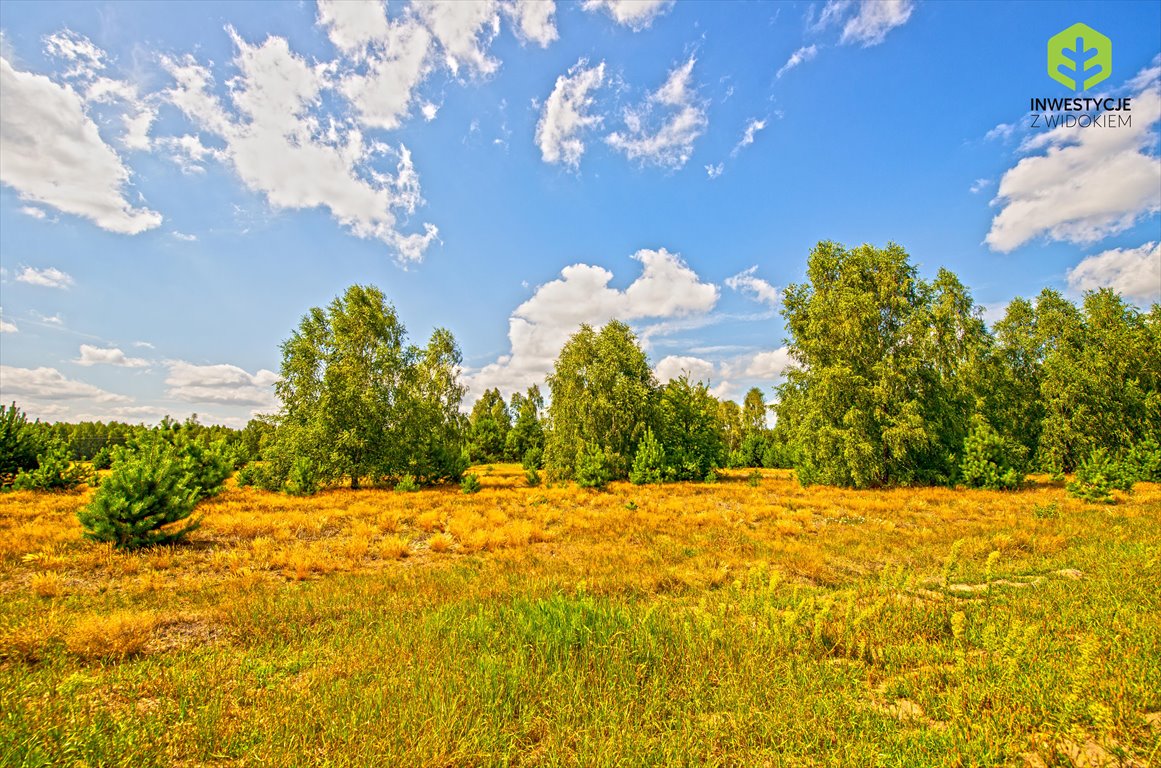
(181, 182)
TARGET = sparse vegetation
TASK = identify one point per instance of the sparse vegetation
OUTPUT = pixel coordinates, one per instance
(701, 622)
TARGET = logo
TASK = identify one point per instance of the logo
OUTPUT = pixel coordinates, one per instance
(1079, 57)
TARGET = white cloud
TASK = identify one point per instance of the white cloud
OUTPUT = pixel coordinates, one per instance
(222, 384)
(52, 154)
(533, 20)
(464, 29)
(91, 355)
(1133, 272)
(771, 364)
(669, 144)
(538, 328)
(429, 111)
(351, 26)
(979, 185)
(1002, 132)
(143, 345)
(33, 211)
(749, 284)
(7, 327)
(566, 114)
(805, 53)
(1090, 183)
(50, 277)
(713, 171)
(748, 135)
(870, 23)
(281, 144)
(184, 237)
(399, 60)
(49, 384)
(635, 14)
(673, 366)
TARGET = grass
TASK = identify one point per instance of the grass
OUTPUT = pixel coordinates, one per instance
(751, 622)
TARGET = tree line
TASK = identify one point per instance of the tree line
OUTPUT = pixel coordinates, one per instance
(895, 380)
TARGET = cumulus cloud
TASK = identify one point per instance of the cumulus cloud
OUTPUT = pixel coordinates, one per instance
(222, 384)
(566, 114)
(50, 277)
(281, 143)
(1133, 272)
(33, 211)
(871, 20)
(1089, 183)
(49, 384)
(533, 20)
(91, 355)
(674, 366)
(464, 29)
(352, 26)
(635, 14)
(668, 141)
(769, 364)
(803, 54)
(538, 328)
(52, 154)
(7, 327)
(392, 66)
(749, 284)
(714, 171)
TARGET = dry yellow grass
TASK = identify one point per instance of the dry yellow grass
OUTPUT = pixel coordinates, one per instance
(895, 602)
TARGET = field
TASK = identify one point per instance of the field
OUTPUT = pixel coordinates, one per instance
(749, 622)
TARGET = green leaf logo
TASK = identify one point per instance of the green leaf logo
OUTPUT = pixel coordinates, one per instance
(1079, 57)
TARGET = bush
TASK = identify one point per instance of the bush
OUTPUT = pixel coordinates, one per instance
(989, 461)
(206, 465)
(649, 463)
(19, 444)
(592, 469)
(55, 471)
(470, 483)
(711, 477)
(532, 475)
(303, 478)
(754, 479)
(407, 484)
(1096, 477)
(1142, 464)
(146, 492)
(102, 459)
(533, 458)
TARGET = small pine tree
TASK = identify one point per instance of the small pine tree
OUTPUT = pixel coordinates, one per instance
(470, 483)
(1096, 476)
(56, 472)
(649, 463)
(989, 461)
(19, 444)
(303, 478)
(1142, 463)
(145, 494)
(407, 484)
(592, 469)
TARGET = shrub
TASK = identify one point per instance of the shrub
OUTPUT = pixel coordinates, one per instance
(1096, 476)
(989, 461)
(145, 494)
(533, 458)
(711, 477)
(754, 479)
(592, 470)
(649, 463)
(19, 444)
(1049, 511)
(246, 475)
(55, 471)
(303, 478)
(407, 484)
(102, 459)
(532, 475)
(1142, 463)
(470, 483)
(206, 465)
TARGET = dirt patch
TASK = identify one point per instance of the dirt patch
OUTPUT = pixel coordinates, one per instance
(1070, 573)
(185, 632)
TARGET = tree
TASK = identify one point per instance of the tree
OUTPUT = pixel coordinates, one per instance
(527, 433)
(143, 498)
(649, 465)
(687, 418)
(754, 412)
(885, 376)
(20, 443)
(730, 420)
(603, 395)
(490, 424)
(357, 403)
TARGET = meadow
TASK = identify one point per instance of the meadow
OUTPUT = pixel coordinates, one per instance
(748, 622)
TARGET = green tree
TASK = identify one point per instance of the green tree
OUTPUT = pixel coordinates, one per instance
(687, 419)
(527, 433)
(886, 366)
(603, 395)
(20, 442)
(754, 413)
(649, 465)
(490, 424)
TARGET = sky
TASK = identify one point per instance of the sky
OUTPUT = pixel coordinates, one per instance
(181, 182)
